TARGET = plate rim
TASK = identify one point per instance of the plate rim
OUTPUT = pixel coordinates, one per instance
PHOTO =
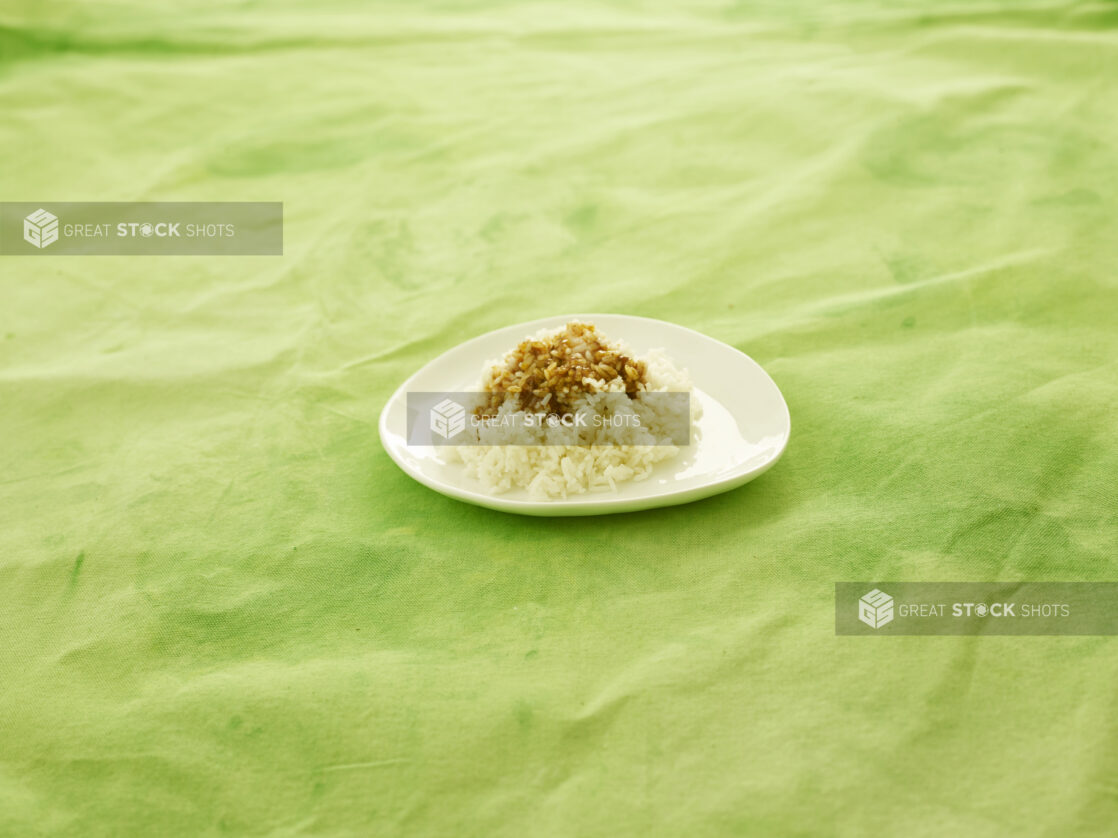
(562, 507)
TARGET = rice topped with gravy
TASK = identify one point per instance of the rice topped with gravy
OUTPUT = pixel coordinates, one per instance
(566, 372)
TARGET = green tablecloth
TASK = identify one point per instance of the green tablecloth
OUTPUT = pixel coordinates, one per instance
(226, 611)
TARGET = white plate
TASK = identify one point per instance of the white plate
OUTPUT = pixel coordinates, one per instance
(742, 433)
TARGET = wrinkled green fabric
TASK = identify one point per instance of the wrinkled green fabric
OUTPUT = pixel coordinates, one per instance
(224, 609)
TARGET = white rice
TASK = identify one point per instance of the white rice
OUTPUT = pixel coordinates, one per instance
(597, 458)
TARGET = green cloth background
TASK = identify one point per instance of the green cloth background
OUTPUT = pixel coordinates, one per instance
(223, 610)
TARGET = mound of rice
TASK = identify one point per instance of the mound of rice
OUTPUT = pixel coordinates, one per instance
(576, 368)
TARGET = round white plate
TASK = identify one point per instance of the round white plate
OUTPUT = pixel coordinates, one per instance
(742, 433)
